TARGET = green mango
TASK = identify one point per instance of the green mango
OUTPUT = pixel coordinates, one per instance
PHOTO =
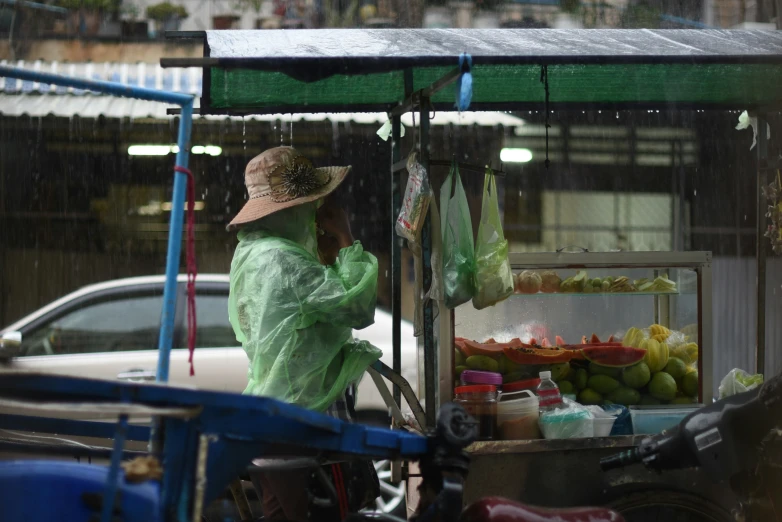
(559, 371)
(662, 386)
(596, 369)
(625, 396)
(589, 396)
(459, 370)
(566, 387)
(603, 384)
(482, 363)
(582, 378)
(458, 358)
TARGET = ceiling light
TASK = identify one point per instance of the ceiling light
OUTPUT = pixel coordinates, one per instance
(515, 155)
(164, 150)
(149, 150)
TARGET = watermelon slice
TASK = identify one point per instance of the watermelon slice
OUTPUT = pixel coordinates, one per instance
(613, 356)
(560, 341)
(545, 343)
(594, 339)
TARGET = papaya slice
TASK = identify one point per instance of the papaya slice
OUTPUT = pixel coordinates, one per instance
(490, 340)
(532, 356)
(470, 348)
(613, 356)
(611, 339)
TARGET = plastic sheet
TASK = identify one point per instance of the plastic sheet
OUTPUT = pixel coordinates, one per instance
(294, 316)
(571, 422)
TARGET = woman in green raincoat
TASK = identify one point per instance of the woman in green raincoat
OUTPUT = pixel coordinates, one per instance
(300, 284)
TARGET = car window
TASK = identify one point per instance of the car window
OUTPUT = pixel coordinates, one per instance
(213, 328)
(130, 323)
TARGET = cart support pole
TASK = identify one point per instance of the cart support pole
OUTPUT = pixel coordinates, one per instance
(430, 352)
(396, 255)
(761, 247)
(166, 338)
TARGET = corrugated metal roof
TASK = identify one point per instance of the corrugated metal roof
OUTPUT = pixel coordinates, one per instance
(148, 75)
(93, 106)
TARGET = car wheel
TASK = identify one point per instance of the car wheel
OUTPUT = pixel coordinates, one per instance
(392, 494)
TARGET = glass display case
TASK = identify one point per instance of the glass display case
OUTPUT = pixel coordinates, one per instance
(657, 301)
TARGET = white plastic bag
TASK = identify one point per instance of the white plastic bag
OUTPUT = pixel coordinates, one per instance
(739, 381)
(571, 422)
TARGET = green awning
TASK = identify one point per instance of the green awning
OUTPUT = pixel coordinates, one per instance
(349, 70)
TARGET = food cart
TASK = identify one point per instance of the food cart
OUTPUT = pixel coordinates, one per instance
(210, 436)
(400, 71)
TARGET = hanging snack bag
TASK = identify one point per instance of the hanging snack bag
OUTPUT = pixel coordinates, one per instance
(416, 200)
(458, 255)
(493, 276)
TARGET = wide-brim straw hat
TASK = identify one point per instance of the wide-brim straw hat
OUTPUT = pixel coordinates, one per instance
(281, 178)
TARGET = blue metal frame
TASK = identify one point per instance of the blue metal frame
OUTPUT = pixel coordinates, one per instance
(243, 427)
(185, 101)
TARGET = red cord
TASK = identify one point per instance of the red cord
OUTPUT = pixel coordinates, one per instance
(339, 482)
(192, 269)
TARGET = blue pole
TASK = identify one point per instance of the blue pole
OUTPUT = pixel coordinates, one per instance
(174, 244)
(115, 89)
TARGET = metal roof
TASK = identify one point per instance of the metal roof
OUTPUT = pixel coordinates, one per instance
(389, 49)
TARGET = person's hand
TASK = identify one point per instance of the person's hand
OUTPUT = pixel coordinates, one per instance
(328, 249)
(333, 221)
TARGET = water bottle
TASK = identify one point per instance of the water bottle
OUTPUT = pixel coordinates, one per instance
(549, 397)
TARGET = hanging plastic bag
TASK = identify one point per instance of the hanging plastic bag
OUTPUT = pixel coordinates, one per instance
(738, 381)
(458, 256)
(416, 200)
(493, 276)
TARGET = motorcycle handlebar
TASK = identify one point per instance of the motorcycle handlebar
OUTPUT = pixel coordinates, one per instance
(620, 460)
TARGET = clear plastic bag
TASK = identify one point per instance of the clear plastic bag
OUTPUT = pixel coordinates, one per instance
(493, 275)
(571, 422)
(458, 256)
(416, 200)
(738, 381)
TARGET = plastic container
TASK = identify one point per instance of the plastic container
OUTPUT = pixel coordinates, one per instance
(517, 416)
(652, 420)
(470, 377)
(603, 426)
(480, 401)
(548, 394)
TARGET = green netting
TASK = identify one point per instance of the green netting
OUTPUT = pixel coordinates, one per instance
(730, 85)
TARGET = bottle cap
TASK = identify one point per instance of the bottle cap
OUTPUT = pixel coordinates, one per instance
(545, 375)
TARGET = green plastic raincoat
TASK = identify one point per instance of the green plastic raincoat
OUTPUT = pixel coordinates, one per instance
(295, 316)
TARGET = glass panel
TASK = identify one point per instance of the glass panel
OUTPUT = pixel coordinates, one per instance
(214, 329)
(655, 309)
(111, 326)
